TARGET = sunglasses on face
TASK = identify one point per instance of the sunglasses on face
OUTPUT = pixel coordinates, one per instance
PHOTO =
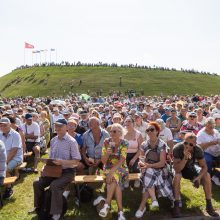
(113, 131)
(150, 130)
(187, 143)
(192, 116)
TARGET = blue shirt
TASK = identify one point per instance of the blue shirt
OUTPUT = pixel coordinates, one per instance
(13, 140)
(93, 150)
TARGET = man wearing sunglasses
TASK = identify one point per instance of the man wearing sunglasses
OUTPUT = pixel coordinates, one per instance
(189, 163)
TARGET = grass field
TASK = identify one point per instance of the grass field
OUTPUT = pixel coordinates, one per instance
(193, 203)
(39, 81)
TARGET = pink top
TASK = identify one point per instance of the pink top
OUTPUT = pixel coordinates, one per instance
(133, 144)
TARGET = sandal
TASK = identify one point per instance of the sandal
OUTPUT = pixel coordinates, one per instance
(104, 211)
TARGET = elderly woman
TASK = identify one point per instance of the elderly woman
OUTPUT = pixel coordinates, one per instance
(45, 126)
(191, 124)
(209, 139)
(113, 157)
(134, 139)
(154, 170)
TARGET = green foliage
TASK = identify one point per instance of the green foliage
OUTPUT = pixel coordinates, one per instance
(40, 81)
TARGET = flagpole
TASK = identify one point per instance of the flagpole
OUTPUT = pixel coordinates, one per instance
(56, 55)
(32, 58)
(50, 55)
(24, 56)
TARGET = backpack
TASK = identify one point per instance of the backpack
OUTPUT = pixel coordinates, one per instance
(44, 212)
(86, 193)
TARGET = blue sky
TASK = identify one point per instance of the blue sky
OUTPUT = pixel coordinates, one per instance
(170, 33)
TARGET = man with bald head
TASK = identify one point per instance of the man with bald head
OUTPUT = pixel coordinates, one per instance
(93, 141)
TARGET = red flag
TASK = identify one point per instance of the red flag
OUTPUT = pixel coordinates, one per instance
(28, 46)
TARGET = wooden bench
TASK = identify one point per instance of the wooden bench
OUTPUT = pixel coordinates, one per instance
(28, 154)
(7, 181)
(217, 169)
(19, 167)
(82, 179)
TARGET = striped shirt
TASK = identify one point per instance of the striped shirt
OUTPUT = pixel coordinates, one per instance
(64, 149)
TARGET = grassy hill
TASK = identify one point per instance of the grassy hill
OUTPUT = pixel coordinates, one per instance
(60, 80)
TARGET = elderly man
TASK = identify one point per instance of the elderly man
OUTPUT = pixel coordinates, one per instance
(93, 141)
(209, 139)
(32, 135)
(185, 155)
(65, 152)
(13, 145)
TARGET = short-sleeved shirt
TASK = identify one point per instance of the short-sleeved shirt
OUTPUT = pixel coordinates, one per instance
(166, 135)
(13, 140)
(93, 150)
(203, 137)
(33, 128)
(3, 159)
(64, 149)
(178, 153)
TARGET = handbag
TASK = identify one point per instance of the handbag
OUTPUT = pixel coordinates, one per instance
(42, 144)
(51, 171)
(152, 156)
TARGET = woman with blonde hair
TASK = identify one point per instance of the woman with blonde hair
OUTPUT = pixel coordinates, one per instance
(114, 154)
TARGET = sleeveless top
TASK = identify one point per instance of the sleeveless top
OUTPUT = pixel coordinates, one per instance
(133, 144)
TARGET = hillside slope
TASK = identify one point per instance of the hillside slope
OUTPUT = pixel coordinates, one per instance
(38, 81)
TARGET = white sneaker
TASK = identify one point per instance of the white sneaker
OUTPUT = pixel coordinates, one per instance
(155, 204)
(56, 217)
(215, 179)
(104, 211)
(66, 193)
(126, 184)
(121, 216)
(98, 200)
(137, 183)
(139, 213)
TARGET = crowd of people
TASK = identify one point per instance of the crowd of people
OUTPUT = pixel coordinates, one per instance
(164, 139)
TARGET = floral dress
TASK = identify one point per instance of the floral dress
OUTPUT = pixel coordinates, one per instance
(121, 174)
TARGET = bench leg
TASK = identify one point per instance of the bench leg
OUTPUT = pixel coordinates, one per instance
(1, 199)
(78, 195)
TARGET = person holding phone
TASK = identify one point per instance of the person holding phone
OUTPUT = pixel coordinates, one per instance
(186, 154)
(113, 157)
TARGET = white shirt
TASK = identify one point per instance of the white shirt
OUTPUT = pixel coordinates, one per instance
(33, 128)
(166, 135)
(203, 137)
(142, 129)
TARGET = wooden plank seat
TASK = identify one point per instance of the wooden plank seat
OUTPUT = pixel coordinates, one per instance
(217, 169)
(7, 181)
(19, 167)
(100, 178)
(28, 154)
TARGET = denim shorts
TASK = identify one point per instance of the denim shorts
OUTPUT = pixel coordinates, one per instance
(12, 164)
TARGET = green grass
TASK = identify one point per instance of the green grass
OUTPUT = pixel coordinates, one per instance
(193, 203)
(39, 81)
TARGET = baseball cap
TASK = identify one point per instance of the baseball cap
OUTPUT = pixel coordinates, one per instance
(192, 114)
(4, 121)
(28, 116)
(61, 121)
(138, 114)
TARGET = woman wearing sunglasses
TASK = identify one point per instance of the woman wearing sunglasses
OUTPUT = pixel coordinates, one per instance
(113, 157)
(154, 171)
